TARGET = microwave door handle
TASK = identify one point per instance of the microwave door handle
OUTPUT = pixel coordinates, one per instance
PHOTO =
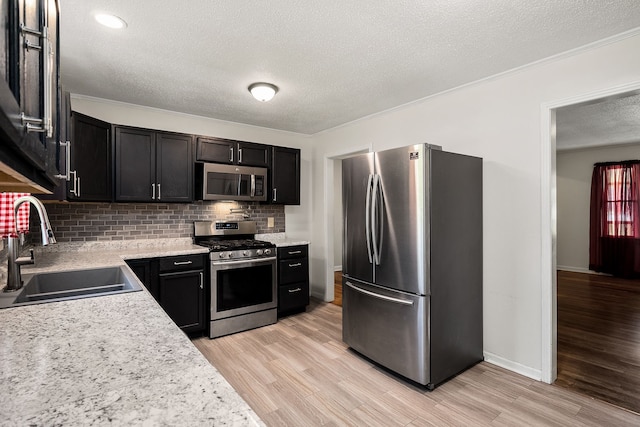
(253, 185)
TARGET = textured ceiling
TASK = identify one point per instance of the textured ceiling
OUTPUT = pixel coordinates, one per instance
(607, 121)
(334, 61)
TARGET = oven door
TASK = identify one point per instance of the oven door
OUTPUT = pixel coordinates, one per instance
(241, 287)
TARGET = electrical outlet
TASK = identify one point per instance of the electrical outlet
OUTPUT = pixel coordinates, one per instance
(271, 222)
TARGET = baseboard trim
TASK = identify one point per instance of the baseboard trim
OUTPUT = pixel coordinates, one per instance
(337, 268)
(578, 270)
(527, 371)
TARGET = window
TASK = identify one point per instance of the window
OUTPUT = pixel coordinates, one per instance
(614, 229)
(620, 201)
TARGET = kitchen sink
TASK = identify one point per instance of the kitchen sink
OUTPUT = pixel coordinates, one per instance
(67, 285)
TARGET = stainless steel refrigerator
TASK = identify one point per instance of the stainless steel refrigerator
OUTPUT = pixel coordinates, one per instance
(412, 260)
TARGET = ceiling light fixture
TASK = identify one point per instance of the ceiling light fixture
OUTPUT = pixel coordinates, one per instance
(110, 21)
(263, 91)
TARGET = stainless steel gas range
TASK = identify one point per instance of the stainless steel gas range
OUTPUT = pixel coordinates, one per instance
(243, 285)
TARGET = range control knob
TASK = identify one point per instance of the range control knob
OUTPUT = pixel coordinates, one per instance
(259, 252)
(267, 251)
(222, 254)
(230, 255)
(245, 253)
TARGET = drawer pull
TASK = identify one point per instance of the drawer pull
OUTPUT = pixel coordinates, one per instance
(294, 290)
(298, 264)
(182, 262)
(294, 252)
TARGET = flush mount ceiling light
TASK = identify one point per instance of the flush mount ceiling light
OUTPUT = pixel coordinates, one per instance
(263, 91)
(110, 21)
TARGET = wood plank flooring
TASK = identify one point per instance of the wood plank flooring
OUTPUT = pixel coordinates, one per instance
(599, 337)
(337, 288)
(298, 372)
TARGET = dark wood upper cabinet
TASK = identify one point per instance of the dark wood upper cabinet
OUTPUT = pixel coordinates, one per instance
(174, 167)
(135, 159)
(252, 154)
(285, 176)
(29, 93)
(152, 166)
(216, 150)
(227, 151)
(90, 171)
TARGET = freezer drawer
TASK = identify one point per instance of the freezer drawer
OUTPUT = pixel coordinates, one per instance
(388, 327)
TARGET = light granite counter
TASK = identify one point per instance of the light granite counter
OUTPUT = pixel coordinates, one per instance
(115, 359)
(281, 240)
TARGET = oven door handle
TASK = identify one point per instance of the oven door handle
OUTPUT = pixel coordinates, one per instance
(249, 262)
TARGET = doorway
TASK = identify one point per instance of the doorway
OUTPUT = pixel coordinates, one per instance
(591, 315)
(333, 220)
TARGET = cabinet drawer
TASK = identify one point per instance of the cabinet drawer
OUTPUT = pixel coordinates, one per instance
(301, 251)
(293, 297)
(293, 270)
(182, 263)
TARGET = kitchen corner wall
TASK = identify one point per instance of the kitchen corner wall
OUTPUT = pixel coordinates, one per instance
(89, 222)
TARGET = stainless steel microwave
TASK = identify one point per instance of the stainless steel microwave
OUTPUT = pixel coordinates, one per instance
(230, 182)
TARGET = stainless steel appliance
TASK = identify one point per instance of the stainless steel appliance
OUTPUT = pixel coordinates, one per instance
(243, 284)
(230, 182)
(412, 260)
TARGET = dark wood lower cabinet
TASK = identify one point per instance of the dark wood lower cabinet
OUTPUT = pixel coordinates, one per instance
(142, 269)
(182, 297)
(293, 279)
(178, 283)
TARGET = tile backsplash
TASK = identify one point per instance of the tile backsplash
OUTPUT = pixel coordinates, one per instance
(89, 222)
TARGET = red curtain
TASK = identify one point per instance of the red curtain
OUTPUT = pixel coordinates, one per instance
(614, 243)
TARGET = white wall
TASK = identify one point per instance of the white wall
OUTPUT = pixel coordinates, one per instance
(337, 213)
(298, 218)
(499, 120)
(573, 170)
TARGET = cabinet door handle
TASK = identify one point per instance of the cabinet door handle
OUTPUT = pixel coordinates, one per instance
(153, 191)
(159, 193)
(294, 290)
(78, 186)
(74, 190)
(182, 262)
(275, 194)
(44, 125)
(231, 154)
(298, 264)
(294, 252)
(67, 174)
(201, 280)
(49, 63)
(239, 155)
(33, 46)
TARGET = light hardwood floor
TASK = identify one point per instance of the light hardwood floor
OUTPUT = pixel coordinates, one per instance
(298, 372)
(599, 337)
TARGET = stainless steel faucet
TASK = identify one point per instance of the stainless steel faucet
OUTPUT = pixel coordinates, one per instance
(14, 277)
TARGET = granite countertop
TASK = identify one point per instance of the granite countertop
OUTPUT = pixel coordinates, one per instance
(110, 359)
(281, 240)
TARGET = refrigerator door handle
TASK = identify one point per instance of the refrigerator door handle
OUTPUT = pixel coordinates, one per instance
(382, 297)
(367, 218)
(377, 246)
